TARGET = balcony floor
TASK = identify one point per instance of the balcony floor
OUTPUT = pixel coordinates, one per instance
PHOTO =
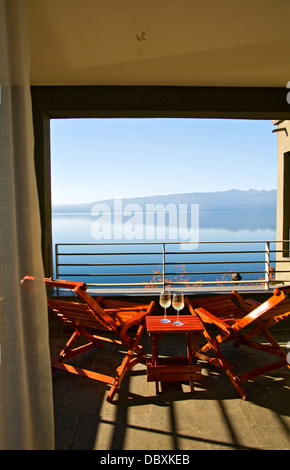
(214, 417)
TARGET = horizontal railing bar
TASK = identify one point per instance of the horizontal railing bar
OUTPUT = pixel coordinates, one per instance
(171, 252)
(141, 274)
(219, 262)
(213, 252)
(167, 262)
(278, 271)
(167, 253)
(213, 272)
(117, 243)
(203, 242)
(150, 274)
(108, 274)
(256, 281)
(155, 264)
(120, 243)
(160, 264)
(145, 285)
(168, 273)
(196, 283)
(124, 284)
(110, 264)
(110, 254)
(118, 253)
(159, 275)
(108, 284)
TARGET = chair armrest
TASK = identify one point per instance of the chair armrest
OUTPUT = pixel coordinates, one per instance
(138, 318)
(71, 285)
(135, 320)
(208, 317)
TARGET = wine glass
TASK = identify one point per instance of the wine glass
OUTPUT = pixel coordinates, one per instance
(178, 304)
(165, 302)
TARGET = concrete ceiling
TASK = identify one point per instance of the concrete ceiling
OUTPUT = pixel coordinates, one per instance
(159, 42)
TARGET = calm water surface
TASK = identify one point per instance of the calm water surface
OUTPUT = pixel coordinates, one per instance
(219, 227)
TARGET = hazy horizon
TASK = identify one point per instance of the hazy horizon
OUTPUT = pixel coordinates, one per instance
(167, 195)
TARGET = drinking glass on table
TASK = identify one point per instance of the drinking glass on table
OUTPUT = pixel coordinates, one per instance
(178, 304)
(165, 302)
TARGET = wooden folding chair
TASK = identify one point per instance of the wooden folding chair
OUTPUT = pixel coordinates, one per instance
(85, 314)
(240, 320)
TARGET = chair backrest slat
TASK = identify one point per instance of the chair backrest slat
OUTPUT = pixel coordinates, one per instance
(72, 312)
(100, 313)
(88, 307)
(219, 305)
(268, 309)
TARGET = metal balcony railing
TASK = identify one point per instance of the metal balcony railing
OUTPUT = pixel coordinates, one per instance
(213, 264)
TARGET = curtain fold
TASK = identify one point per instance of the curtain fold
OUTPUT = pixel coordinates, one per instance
(26, 403)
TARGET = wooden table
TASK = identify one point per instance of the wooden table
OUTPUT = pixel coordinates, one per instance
(176, 369)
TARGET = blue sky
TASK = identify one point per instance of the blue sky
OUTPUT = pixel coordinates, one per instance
(97, 159)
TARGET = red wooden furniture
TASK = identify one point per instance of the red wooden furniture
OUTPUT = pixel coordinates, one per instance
(177, 369)
(241, 321)
(85, 315)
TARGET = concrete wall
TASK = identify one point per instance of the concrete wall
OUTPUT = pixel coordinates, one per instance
(283, 198)
(159, 43)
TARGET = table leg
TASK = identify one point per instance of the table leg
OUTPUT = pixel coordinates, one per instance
(155, 357)
(191, 348)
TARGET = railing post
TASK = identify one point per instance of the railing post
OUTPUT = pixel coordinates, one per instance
(56, 266)
(56, 261)
(267, 265)
(163, 265)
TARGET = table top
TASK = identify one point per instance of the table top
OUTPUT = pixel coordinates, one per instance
(191, 323)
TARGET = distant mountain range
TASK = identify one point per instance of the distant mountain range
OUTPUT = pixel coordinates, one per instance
(231, 200)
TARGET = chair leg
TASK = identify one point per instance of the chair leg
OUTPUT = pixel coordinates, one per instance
(262, 370)
(222, 362)
(65, 350)
(91, 338)
(274, 348)
(128, 363)
(229, 371)
(235, 381)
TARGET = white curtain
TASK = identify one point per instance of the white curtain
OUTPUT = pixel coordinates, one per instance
(26, 404)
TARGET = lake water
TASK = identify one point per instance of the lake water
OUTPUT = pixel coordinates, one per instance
(193, 266)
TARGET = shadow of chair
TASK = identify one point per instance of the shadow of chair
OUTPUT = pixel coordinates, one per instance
(242, 321)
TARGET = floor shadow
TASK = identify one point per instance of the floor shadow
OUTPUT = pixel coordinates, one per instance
(81, 411)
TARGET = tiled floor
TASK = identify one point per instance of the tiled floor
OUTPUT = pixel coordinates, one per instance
(213, 417)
